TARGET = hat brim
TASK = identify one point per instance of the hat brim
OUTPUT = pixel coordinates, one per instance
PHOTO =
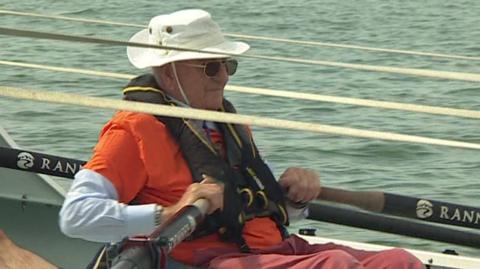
(148, 57)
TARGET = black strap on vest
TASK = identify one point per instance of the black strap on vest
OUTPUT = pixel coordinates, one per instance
(250, 188)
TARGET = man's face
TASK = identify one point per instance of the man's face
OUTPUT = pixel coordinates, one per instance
(204, 88)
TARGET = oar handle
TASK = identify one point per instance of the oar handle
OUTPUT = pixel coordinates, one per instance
(369, 200)
(166, 237)
(181, 225)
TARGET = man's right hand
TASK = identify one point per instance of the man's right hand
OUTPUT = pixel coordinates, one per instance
(208, 188)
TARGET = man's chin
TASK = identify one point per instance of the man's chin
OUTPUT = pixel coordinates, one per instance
(215, 105)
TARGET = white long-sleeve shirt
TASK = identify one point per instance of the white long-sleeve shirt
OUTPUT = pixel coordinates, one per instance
(91, 211)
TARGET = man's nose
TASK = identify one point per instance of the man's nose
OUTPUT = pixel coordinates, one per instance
(222, 74)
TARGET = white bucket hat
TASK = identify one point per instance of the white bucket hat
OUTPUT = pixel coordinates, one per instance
(192, 29)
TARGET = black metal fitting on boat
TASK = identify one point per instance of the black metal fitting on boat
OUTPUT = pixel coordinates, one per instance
(307, 231)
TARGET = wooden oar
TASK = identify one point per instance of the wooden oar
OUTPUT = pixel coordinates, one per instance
(406, 206)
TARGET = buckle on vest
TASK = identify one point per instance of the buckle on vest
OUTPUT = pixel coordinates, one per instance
(261, 199)
(247, 196)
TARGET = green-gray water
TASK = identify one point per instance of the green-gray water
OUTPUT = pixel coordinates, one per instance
(449, 27)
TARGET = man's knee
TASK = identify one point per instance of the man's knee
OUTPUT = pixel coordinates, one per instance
(402, 259)
(339, 259)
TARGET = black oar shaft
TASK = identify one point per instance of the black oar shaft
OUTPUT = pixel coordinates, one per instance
(370, 221)
(432, 210)
(134, 258)
(39, 163)
(406, 206)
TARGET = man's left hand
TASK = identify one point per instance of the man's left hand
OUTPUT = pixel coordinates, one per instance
(302, 185)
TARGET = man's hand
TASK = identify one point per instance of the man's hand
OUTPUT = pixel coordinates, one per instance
(302, 185)
(209, 189)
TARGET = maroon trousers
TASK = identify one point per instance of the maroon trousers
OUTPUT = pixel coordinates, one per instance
(297, 253)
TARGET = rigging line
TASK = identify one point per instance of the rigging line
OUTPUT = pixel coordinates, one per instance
(346, 46)
(254, 37)
(282, 93)
(58, 17)
(386, 69)
(198, 114)
(447, 111)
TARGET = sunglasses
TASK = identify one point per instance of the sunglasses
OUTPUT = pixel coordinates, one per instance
(211, 69)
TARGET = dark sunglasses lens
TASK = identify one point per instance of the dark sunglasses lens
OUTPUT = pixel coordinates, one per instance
(231, 66)
(212, 68)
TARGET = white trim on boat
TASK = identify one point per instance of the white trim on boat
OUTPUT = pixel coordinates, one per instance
(436, 260)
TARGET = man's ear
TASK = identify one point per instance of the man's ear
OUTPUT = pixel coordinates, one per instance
(165, 77)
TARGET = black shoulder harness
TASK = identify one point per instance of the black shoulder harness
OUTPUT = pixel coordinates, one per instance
(250, 188)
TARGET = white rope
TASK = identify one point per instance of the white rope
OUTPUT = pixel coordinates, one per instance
(253, 37)
(75, 99)
(286, 94)
(378, 68)
(46, 16)
(69, 70)
(360, 102)
(346, 46)
(388, 69)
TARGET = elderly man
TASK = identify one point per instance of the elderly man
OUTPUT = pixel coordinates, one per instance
(145, 167)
